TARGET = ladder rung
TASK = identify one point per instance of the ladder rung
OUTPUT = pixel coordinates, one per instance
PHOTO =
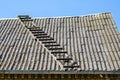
(59, 52)
(48, 42)
(49, 45)
(71, 66)
(43, 39)
(34, 28)
(40, 34)
(43, 36)
(24, 16)
(37, 31)
(55, 48)
(64, 58)
(27, 19)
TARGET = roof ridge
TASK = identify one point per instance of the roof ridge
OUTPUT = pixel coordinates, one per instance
(73, 15)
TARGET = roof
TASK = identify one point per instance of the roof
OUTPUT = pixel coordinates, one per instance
(92, 40)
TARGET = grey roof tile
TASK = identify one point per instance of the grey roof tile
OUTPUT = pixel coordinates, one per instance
(93, 41)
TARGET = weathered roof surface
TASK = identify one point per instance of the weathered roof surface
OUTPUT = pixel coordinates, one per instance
(93, 41)
(20, 51)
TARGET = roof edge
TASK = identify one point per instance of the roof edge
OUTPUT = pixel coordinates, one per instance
(55, 72)
(63, 16)
(73, 15)
(7, 18)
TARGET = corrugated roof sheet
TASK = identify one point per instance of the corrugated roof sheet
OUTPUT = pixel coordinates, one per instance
(93, 41)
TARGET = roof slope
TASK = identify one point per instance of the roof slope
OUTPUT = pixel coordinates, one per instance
(93, 41)
(20, 51)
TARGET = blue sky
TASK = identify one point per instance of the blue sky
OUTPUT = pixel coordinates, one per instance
(52, 8)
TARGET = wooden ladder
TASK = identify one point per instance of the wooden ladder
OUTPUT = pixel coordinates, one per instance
(59, 53)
